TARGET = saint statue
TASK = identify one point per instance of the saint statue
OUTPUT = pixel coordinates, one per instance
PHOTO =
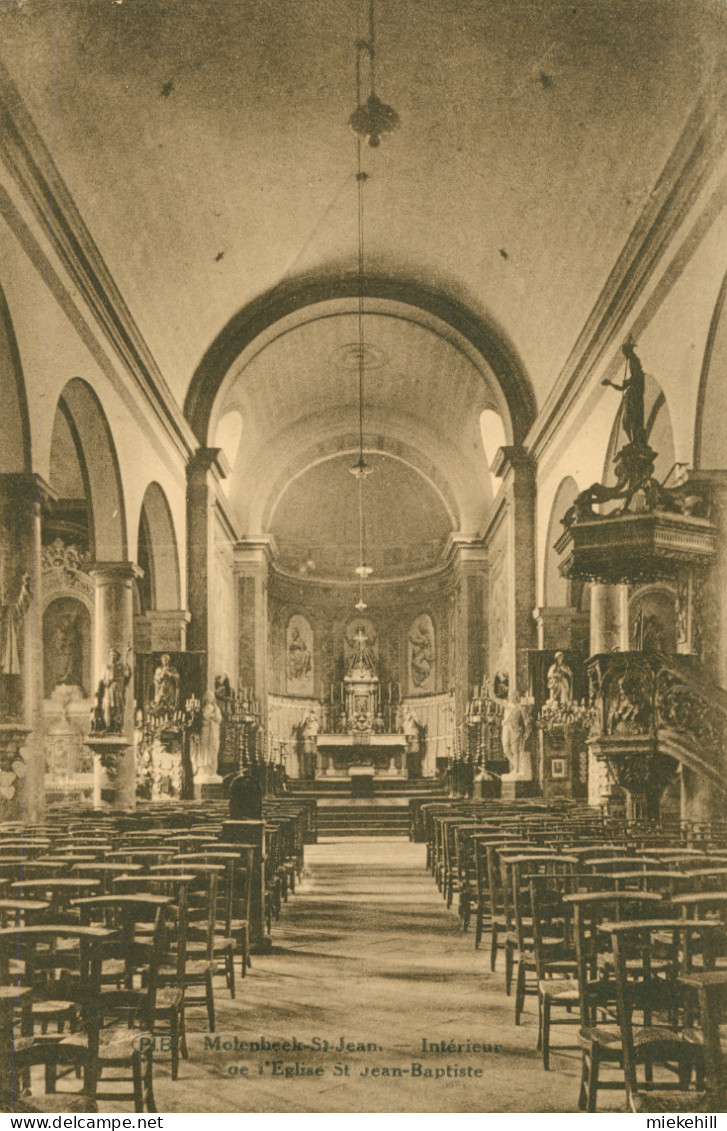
(108, 714)
(633, 389)
(67, 654)
(560, 681)
(166, 687)
(410, 728)
(299, 657)
(310, 725)
(422, 653)
(515, 730)
(209, 738)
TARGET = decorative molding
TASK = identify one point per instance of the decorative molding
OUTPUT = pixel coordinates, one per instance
(683, 177)
(42, 186)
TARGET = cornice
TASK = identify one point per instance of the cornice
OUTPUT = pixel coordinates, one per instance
(684, 176)
(31, 166)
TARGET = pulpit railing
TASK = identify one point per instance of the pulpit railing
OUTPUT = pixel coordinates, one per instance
(640, 696)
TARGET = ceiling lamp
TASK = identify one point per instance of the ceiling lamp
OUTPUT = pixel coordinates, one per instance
(373, 120)
(370, 121)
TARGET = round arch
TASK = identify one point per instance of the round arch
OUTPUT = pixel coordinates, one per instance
(99, 467)
(15, 450)
(297, 294)
(557, 590)
(158, 555)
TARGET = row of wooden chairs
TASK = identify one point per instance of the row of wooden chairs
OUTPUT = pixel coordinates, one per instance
(586, 913)
(112, 928)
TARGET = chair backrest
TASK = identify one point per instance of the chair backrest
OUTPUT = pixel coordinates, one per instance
(654, 987)
(590, 910)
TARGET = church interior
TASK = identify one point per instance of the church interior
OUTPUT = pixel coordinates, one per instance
(363, 631)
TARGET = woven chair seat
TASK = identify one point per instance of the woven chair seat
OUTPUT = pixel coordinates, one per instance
(562, 990)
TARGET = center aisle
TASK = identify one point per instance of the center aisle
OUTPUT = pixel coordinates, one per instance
(366, 953)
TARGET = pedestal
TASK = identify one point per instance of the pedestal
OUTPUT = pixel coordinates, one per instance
(206, 786)
(113, 629)
(513, 789)
(109, 753)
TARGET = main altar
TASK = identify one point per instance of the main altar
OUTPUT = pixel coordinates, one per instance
(360, 746)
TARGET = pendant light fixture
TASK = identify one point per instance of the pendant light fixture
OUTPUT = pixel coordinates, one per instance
(371, 120)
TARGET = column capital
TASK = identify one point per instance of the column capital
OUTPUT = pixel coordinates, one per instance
(257, 552)
(27, 486)
(209, 459)
(109, 573)
(465, 549)
(164, 629)
(512, 457)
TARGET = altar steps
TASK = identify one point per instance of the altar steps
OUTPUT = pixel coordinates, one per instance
(391, 787)
(361, 818)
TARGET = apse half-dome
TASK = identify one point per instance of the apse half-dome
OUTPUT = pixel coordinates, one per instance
(316, 521)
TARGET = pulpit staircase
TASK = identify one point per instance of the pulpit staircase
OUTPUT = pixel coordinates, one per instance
(678, 720)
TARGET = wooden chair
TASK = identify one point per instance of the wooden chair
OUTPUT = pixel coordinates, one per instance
(662, 1039)
(599, 1037)
(45, 959)
(128, 1012)
(555, 957)
(710, 987)
(184, 982)
(520, 943)
(223, 944)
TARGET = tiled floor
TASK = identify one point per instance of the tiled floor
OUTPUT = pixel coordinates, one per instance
(367, 953)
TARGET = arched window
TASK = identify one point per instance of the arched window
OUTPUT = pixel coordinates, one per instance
(493, 437)
(227, 437)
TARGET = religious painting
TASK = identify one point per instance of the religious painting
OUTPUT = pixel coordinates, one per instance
(420, 643)
(299, 656)
(67, 647)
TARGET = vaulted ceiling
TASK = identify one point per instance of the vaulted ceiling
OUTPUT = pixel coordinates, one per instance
(206, 145)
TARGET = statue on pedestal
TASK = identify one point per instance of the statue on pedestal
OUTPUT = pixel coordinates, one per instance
(110, 701)
(166, 688)
(560, 681)
(410, 729)
(209, 737)
(515, 730)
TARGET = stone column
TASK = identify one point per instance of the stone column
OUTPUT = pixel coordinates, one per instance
(114, 629)
(516, 467)
(161, 630)
(609, 618)
(21, 499)
(252, 559)
(469, 575)
(204, 472)
(707, 592)
(562, 626)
